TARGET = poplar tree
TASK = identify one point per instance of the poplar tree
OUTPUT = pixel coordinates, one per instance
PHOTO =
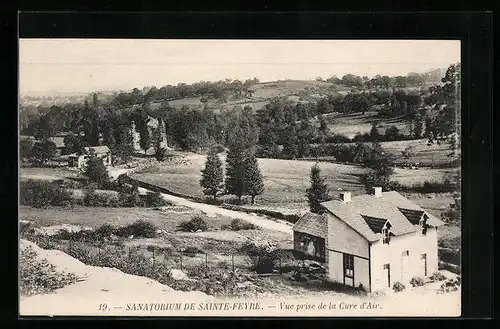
(254, 184)
(318, 192)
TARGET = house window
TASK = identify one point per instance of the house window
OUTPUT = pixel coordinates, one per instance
(349, 266)
(385, 235)
(405, 253)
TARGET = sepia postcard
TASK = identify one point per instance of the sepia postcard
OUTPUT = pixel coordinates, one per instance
(251, 178)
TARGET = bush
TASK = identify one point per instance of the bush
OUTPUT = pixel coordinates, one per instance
(41, 194)
(96, 199)
(239, 224)
(194, 224)
(398, 286)
(450, 285)
(449, 256)
(39, 276)
(417, 282)
(138, 229)
(263, 259)
(192, 250)
(426, 187)
(154, 199)
(437, 276)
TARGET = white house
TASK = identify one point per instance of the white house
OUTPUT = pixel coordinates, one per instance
(376, 240)
(80, 161)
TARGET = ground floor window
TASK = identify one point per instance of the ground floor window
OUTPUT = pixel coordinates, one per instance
(349, 266)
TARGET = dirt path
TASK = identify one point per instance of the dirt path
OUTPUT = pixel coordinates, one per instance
(212, 210)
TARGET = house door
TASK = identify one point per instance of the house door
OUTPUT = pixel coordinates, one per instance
(423, 257)
(387, 270)
(405, 275)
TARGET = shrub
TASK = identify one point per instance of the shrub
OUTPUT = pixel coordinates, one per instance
(103, 231)
(194, 224)
(398, 286)
(138, 229)
(450, 285)
(437, 276)
(263, 259)
(192, 250)
(239, 224)
(449, 256)
(39, 276)
(95, 199)
(154, 199)
(417, 281)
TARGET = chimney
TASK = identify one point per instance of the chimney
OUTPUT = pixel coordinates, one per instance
(377, 192)
(345, 196)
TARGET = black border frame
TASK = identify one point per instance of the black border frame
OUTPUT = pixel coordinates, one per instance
(474, 29)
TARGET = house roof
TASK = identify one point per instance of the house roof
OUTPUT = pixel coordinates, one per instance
(98, 149)
(375, 224)
(364, 214)
(313, 224)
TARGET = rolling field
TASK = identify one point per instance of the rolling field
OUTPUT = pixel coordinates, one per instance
(285, 181)
(422, 153)
(351, 124)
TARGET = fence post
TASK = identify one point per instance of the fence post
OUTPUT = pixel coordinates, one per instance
(232, 262)
(153, 258)
(206, 264)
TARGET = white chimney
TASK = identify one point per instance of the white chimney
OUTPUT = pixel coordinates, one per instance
(345, 196)
(377, 192)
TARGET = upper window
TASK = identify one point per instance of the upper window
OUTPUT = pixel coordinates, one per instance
(385, 235)
(423, 225)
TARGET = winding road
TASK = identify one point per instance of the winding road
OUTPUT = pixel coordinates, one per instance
(212, 210)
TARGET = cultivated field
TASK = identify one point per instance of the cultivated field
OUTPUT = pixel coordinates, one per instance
(47, 173)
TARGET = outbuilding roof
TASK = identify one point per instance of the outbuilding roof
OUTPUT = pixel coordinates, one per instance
(313, 224)
(390, 206)
(98, 149)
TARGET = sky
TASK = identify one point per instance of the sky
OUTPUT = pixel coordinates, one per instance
(86, 65)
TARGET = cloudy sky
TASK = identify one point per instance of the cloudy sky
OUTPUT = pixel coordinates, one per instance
(85, 65)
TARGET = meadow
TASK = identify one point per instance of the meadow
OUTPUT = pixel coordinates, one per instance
(285, 181)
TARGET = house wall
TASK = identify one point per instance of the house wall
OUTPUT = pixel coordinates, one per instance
(311, 245)
(343, 239)
(403, 269)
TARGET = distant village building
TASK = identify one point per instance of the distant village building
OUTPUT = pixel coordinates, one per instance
(80, 161)
(152, 124)
(371, 241)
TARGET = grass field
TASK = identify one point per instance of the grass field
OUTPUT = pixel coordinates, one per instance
(47, 173)
(285, 181)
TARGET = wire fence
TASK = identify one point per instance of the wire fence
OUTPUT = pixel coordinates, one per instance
(143, 259)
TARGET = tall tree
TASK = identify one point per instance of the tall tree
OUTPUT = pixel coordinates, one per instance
(212, 176)
(144, 137)
(43, 151)
(45, 128)
(318, 192)
(290, 142)
(96, 171)
(254, 184)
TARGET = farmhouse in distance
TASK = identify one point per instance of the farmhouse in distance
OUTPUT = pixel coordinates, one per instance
(371, 241)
